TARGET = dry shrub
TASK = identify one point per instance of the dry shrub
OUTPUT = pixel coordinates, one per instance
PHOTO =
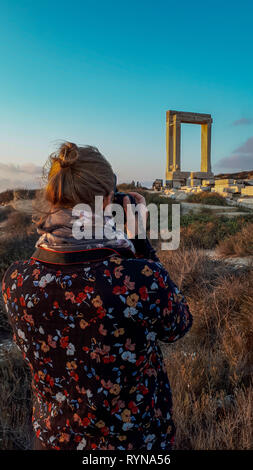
(15, 248)
(191, 267)
(211, 369)
(5, 211)
(239, 244)
(6, 196)
(18, 222)
(15, 402)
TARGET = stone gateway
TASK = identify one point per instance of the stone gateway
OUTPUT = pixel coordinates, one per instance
(174, 119)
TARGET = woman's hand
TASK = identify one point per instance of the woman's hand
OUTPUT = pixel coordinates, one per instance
(143, 213)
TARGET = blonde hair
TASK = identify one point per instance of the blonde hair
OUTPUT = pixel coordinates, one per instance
(75, 175)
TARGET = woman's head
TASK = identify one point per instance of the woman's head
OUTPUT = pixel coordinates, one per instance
(76, 175)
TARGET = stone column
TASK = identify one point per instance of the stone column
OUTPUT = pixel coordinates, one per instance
(176, 144)
(169, 143)
(206, 147)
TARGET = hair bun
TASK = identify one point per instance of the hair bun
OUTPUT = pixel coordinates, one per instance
(68, 154)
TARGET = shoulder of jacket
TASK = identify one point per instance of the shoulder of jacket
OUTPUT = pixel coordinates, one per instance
(12, 267)
(137, 264)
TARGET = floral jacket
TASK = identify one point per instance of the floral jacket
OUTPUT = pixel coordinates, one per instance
(89, 335)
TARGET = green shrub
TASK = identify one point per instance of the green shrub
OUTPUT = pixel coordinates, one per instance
(205, 231)
(205, 197)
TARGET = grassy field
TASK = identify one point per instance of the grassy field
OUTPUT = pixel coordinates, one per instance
(210, 370)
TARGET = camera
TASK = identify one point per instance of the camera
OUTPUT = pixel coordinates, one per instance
(119, 196)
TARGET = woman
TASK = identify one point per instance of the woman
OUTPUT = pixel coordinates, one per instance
(87, 315)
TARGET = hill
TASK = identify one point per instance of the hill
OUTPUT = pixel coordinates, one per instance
(237, 175)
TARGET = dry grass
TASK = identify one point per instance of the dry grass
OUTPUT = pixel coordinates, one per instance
(240, 244)
(15, 403)
(211, 369)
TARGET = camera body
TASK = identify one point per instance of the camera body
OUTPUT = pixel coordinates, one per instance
(119, 196)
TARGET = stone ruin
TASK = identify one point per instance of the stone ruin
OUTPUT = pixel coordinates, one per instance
(174, 176)
(179, 183)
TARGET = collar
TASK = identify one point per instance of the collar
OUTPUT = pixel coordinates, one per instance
(80, 256)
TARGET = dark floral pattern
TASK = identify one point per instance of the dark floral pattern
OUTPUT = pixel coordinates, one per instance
(89, 335)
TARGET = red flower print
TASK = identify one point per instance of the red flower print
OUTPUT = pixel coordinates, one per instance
(55, 304)
(50, 380)
(36, 377)
(101, 312)
(143, 389)
(107, 273)
(161, 282)
(64, 341)
(86, 421)
(70, 296)
(140, 360)
(22, 301)
(47, 359)
(133, 407)
(105, 430)
(8, 293)
(88, 289)
(143, 293)
(20, 280)
(119, 290)
(129, 284)
(74, 375)
(117, 271)
(80, 298)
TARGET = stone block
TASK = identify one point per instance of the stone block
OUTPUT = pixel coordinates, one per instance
(247, 191)
(224, 182)
(246, 202)
(205, 188)
(177, 184)
(195, 182)
(220, 188)
(235, 188)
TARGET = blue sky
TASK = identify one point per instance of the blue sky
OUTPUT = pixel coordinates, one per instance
(105, 72)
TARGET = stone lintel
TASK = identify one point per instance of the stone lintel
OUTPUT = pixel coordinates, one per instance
(188, 117)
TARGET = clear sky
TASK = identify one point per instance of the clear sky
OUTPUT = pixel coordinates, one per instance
(105, 72)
